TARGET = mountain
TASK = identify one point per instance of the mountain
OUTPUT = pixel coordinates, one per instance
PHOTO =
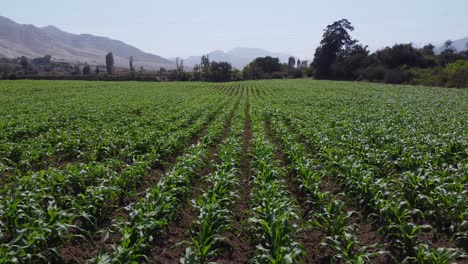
(238, 57)
(27, 40)
(459, 45)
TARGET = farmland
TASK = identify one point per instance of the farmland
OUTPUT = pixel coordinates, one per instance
(285, 171)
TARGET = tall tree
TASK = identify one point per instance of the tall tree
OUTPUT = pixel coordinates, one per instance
(24, 64)
(449, 54)
(291, 62)
(97, 70)
(196, 73)
(448, 45)
(110, 63)
(86, 69)
(205, 67)
(132, 69)
(428, 50)
(335, 38)
(179, 64)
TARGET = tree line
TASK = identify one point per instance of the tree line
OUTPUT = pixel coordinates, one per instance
(338, 57)
(341, 57)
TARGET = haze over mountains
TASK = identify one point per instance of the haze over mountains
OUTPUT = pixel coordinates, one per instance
(27, 40)
(459, 45)
(238, 57)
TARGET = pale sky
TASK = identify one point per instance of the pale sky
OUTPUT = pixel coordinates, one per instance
(173, 28)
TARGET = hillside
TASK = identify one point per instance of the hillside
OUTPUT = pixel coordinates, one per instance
(27, 40)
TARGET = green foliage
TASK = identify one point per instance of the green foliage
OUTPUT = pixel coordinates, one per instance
(82, 158)
(110, 63)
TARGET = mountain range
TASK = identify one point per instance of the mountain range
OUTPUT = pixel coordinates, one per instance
(238, 57)
(18, 40)
(27, 40)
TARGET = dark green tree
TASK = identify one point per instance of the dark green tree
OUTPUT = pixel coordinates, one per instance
(335, 38)
(205, 67)
(291, 62)
(449, 54)
(264, 67)
(110, 63)
(196, 72)
(24, 64)
(349, 61)
(428, 50)
(132, 69)
(220, 71)
(86, 69)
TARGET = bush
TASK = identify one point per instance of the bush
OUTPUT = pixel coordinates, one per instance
(373, 73)
(276, 75)
(457, 74)
(394, 76)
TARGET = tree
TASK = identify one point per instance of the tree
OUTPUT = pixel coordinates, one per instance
(132, 69)
(110, 63)
(24, 64)
(448, 45)
(335, 38)
(205, 67)
(220, 71)
(449, 55)
(77, 70)
(264, 67)
(179, 65)
(86, 69)
(298, 64)
(291, 62)
(97, 70)
(196, 73)
(428, 50)
(349, 61)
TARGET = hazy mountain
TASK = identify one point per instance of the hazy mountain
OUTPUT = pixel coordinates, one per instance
(27, 40)
(238, 57)
(459, 45)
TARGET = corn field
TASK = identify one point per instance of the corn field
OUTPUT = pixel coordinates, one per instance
(281, 171)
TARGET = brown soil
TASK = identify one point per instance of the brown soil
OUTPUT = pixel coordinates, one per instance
(309, 237)
(90, 249)
(171, 247)
(237, 248)
(78, 252)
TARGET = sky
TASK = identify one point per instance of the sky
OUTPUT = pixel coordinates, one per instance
(174, 28)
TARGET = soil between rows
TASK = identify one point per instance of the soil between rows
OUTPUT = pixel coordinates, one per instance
(169, 248)
(82, 250)
(238, 248)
